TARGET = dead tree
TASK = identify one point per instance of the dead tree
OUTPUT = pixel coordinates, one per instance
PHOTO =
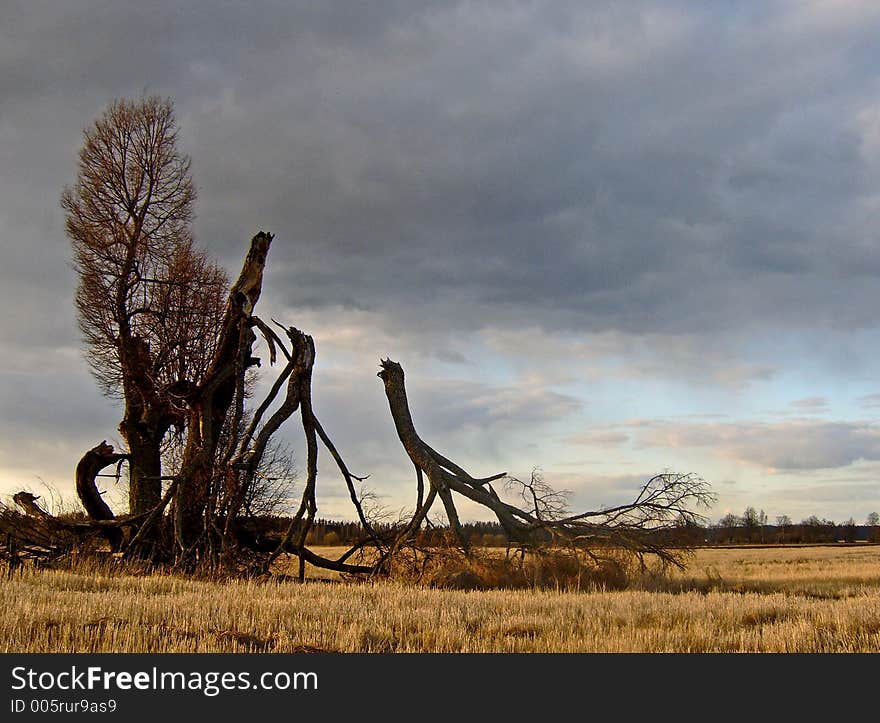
(444, 475)
(210, 401)
(208, 490)
(206, 494)
(664, 502)
(243, 462)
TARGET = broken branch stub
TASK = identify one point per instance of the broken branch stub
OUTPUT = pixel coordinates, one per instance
(91, 463)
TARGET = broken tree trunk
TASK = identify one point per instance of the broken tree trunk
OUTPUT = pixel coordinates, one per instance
(145, 464)
(444, 475)
(243, 466)
(211, 401)
(643, 527)
(92, 462)
(244, 458)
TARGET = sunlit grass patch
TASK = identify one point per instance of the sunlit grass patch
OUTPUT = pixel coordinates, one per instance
(804, 600)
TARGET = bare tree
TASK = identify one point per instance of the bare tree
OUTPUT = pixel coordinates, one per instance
(783, 521)
(148, 301)
(873, 523)
(218, 473)
(167, 335)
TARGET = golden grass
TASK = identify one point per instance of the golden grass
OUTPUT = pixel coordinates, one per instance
(779, 600)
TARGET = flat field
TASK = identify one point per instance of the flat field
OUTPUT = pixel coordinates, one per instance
(794, 599)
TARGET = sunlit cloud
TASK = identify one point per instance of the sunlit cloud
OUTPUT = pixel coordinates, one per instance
(797, 444)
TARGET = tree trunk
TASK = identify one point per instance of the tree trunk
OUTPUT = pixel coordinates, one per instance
(211, 402)
(145, 468)
(190, 502)
(443, 474)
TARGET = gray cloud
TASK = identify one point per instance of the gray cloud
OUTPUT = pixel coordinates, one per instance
(809, 404)
(602, 438)
(800, 444)
(869, 401)
(588, 191)
(589, 167)
(580, 167)
(708, 359)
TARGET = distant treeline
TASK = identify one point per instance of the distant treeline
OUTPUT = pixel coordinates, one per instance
(824, 531)
(491, 534)
(330, 532)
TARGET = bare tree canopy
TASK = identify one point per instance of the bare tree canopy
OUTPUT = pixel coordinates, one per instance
(148, 300)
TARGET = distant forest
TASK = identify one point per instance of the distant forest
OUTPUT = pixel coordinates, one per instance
(491, 534)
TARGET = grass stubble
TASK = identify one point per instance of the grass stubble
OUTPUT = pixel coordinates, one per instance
(817, 599)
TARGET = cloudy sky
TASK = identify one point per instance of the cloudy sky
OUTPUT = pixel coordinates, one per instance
(606, 239)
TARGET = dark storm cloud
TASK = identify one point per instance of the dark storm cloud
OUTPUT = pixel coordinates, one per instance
(532, 170)
(658, 166)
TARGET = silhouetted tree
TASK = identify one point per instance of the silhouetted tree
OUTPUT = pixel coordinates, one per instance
(148, 300)
(751, 521)
(169, 336)
(873, 522)
(783, 522)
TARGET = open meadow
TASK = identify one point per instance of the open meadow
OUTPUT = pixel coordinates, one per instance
(793, 599)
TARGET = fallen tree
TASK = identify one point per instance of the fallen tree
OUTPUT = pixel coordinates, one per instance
(203, 502)
(160, 338)
(201, 517)
(33, 533)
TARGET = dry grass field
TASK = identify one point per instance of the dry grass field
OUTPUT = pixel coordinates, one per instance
(809, 599)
